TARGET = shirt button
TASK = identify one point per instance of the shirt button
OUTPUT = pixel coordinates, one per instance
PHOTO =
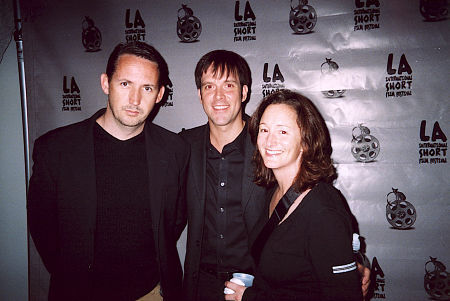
(223, 158)
(222, 184)
(222, 210)
(221, 236)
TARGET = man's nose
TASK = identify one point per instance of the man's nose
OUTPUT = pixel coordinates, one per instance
(219, 93)
(135, 97)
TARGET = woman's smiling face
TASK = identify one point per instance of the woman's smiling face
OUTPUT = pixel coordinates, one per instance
(279, 139)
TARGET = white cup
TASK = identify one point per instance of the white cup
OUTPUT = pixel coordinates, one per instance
(247, 279)
(241, 279)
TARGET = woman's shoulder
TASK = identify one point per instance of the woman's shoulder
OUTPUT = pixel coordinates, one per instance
(326, 196)
(327, 205)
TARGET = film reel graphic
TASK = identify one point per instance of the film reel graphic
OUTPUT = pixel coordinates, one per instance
(329, 70)
(400, 213)
(189, 27)
(434, 10)
(436, 280)
(365, 147)
(91, 37)
(303, 17)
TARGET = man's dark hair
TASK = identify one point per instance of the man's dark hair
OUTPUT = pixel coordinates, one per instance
(316, 164)
(224, 62)
(142, 50)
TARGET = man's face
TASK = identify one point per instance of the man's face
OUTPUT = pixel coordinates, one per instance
(132, 91)
(221, 97)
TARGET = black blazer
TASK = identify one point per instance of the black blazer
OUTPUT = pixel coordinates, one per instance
(62, 205)
(253, 199)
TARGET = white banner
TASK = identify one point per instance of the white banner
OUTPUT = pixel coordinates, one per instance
(377, 70)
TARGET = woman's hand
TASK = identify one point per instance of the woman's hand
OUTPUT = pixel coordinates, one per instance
(238, 291)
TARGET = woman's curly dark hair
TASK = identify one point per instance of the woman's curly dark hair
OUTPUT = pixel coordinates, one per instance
(316, 163)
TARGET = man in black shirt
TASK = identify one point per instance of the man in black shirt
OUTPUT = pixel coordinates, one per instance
(106, 199)
(223, 202)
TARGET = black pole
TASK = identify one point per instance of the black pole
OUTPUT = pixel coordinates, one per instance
(23, 91)
(23, 97)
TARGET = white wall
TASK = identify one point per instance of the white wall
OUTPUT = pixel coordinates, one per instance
(13, 226)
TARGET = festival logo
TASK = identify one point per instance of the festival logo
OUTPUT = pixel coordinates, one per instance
(366, 15)
(71, 97)
(303, 17)
(91, 36)
(189, 26)
(365, 147)
(377, 281)
(168, 101)
(135, 30)
(434, 10)
(274, 83)
(399, 81)
(330, 79)
(400, 213)
(436, 280)
(244, 25)
(434, 151)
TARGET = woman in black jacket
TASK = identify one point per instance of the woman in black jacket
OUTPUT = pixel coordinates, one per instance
(302, 243)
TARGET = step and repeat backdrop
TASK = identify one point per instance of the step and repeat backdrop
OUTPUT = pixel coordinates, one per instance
(377, 70)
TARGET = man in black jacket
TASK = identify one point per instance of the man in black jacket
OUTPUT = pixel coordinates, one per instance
(223, 202)
(106, 199)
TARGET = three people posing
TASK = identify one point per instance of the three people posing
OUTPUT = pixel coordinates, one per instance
(108, 195)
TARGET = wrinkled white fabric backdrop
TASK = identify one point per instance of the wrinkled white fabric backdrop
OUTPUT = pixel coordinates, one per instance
(367, 39)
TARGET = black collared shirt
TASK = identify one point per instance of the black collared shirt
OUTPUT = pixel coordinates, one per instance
(225, 240)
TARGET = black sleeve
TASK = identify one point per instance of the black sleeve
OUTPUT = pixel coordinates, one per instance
(181, 218)
(41, 206)
(330, 250)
